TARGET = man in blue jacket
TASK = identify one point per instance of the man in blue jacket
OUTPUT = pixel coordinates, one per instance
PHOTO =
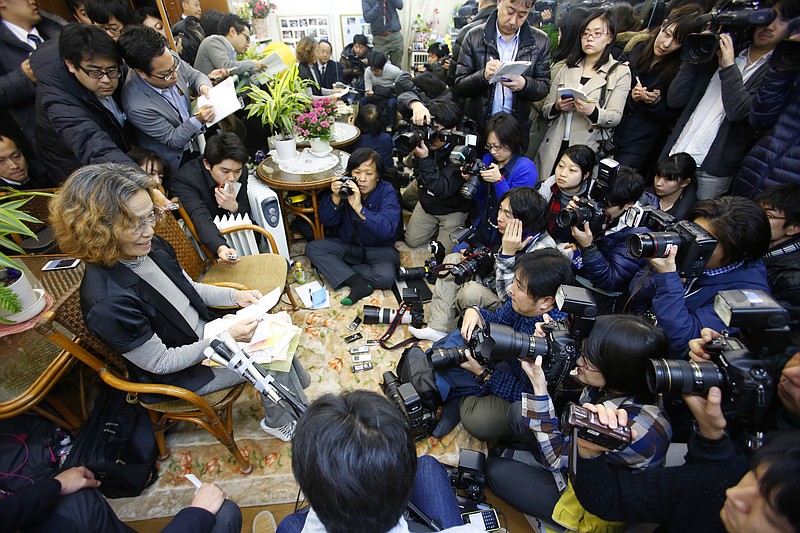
(366, 210)
(604, 264)
(684, 306)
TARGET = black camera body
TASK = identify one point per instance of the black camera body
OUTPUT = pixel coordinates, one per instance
(469, 476)
(733, 17)
(430, 267)
(357, 64)
(589, 428)
(466, 157)
(607, 171)
(479, 261)
(695, 244)
(419, 418)
(588, 210)
(406, 141)
(348, 183)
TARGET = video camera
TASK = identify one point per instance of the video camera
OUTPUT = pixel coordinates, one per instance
(745, 374)
(357, 64)
(466, 157)
(430, 269)
(559, 347)
(695, 245)
(416, 315)
(464, 14)
(733, 17)
(419, 418)
(587, 211)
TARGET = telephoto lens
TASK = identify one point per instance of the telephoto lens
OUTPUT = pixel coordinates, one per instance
(683, 377)
(649, 245)
(406, 142)
(448, 357)
(407, 274)
(377, 315)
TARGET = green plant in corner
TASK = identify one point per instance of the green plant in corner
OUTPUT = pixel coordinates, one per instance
(283, 98)
(12, 220)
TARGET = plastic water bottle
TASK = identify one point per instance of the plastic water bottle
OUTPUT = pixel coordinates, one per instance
(299, 273)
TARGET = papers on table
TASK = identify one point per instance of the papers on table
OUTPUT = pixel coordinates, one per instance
(314, 295)
(566, 92)
(223, 98)
(510, 68)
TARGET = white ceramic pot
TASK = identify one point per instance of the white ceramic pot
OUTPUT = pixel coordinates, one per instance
(319, 146)
(286, 150)
(27, 296)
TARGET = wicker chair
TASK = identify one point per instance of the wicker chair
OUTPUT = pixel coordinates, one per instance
(264, 272)
(212, 411)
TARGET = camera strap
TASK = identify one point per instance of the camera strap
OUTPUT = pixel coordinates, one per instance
(398, 318)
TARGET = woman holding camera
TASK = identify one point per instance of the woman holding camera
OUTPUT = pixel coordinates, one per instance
(654, 63)
(366, 211)
(604, 81)
(612, 368)
(135, 296)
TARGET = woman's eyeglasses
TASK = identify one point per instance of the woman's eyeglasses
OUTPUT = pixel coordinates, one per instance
(593, 34)
(151, 220)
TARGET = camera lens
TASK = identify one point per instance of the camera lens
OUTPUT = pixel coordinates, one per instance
(406, 274)
(447, 357)
(568, 217)
(699, 47)
(406, 142)
(464, 271)
(509, 344)
(652, 244)
(683, 377)
(470, 187)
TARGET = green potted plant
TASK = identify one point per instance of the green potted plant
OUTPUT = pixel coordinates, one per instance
(16, 292)
(283, 98)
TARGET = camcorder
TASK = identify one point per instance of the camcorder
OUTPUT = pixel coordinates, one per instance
(357, 64)
(420, 419)
(384, 315)
(734, 17)
(466, 157)
(348, 183)
(695, 244)
(559, 347)
(745, 370)
(464, 15)
(430, 268)
(588, 426)
(587, 210)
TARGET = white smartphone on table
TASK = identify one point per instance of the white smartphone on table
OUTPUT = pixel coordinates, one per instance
(61, 264)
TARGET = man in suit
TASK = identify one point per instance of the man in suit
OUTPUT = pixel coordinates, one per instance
(155, 96)
(328, 71)
(22, 30)
(190, 8)
(109, 15)
(219, 51)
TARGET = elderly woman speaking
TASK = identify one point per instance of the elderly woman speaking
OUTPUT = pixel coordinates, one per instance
(136, 297)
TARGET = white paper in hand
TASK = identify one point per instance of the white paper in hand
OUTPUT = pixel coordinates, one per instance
(509, 68)
(223, 98)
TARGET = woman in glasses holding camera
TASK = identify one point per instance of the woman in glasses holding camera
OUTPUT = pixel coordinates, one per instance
(601, 84)
(136, 298)
(366, 210)
(612, 367)
(654, 63)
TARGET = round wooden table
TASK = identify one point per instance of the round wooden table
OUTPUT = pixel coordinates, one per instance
(270, 173)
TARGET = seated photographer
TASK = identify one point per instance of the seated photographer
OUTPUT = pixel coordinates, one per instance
(480, 396)
(674, 189)
(210, 186)
(136, 297)
(683, 307)
(354, 59)
(612, 365)
(782, 205)
(571, 178)
(504, 169)
(382, 83)
(605, 265)
(373, 136)
(356, 463)
(521, 222)
(366, 210)
(438, 61)
(441, 209)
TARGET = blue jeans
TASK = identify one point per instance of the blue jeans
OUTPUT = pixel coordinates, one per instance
(431, 494)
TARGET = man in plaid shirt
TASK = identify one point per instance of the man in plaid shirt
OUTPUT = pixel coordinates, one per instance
(483, 395)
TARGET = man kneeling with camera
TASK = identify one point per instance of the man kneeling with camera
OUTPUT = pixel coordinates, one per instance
(480, 395)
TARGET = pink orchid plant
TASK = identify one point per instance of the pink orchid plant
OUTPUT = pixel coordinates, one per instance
(318, 119)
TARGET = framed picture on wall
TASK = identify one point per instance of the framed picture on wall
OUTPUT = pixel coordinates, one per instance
(352, 25)
(312, 26)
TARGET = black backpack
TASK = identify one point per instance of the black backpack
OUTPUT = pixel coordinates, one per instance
(415, 367)
(118, 445)
(29, 451)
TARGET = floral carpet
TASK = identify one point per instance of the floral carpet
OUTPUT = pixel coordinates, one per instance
(324, 354)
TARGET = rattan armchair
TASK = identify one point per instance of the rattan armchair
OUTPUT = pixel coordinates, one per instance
(212, 411)
(264, 272)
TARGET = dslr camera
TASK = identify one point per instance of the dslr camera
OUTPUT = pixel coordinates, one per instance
(415, 316)
(746, 375)
(466, 157)
(588, 210)
(478, 261)
(733, 17)
(559, 347)
(695, 245)
(430, 267)
(348, 183)
(419, 418)
(411, 135)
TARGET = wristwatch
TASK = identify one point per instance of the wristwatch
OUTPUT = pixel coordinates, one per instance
(483, 377)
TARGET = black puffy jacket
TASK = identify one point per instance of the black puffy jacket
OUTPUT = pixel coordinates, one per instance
(478, 48)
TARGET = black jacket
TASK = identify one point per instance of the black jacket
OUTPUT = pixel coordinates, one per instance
(353, 75)
(194, 187)
(17, 92)
(439, 183)
(479, 18)
(783, 275)
(124, 311)
(478, 48)
(304, 73)
(71, 124)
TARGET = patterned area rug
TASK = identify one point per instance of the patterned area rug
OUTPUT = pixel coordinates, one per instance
(324, 354)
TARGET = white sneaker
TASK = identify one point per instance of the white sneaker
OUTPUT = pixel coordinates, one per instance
(284, 433)
(427, 334)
